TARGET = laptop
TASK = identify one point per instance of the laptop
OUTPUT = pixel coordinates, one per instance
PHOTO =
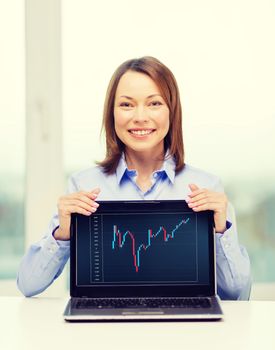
(143, 260)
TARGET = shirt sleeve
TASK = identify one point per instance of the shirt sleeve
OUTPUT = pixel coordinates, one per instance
(44, 260)
(232, 260)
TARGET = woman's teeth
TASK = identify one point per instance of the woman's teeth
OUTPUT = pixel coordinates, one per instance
(141, 132)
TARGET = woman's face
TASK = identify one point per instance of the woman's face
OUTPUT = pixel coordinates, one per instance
(141, 114)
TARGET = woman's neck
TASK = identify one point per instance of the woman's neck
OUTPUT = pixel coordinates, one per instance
(145, 163)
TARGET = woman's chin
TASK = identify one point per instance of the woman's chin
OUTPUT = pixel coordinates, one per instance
(145, 148)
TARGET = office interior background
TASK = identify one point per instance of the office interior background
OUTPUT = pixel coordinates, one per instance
(56, 61)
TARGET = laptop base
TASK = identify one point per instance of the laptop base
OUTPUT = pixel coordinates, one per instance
(214, 313)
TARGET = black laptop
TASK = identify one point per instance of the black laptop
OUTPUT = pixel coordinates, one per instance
(143, 260)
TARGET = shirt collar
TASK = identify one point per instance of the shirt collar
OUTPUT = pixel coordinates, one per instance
(121, 169)
(168, 167)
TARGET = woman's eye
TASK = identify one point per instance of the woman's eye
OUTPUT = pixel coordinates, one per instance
(155, 103)
(125, 104)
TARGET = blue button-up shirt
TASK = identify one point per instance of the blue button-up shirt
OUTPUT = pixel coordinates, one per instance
(45, 260)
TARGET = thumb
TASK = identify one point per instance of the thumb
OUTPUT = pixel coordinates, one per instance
(193, 187)
(96, 191)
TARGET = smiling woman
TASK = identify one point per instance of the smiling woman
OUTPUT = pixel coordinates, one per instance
(144, 160)
(142, 99)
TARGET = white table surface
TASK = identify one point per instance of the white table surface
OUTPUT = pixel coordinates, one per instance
(37, 323)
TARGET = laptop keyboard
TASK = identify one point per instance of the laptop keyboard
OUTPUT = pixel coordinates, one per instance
(143, 302)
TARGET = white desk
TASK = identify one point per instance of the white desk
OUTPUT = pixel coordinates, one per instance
(37, 323)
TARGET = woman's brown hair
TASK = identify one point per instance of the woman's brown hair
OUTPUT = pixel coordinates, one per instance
(167, 84)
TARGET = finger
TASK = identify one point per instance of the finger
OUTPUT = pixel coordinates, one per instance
(96, 190)
(208, 206)
(82, 196)
(199, 196)
(204, 198)
(197, 192)
(75, 209)
(193, 187)
(89, 195)
(204, 201)
(70, 203)
(89, 201)
(76, 203)
(197, 203)
(93, 194)
(201, 208)
(79, 210)
(73, 205)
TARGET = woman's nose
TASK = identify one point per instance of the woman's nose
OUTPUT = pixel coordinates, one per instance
(141, 115)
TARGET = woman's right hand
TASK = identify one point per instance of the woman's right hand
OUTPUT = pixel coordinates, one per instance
(79, 202)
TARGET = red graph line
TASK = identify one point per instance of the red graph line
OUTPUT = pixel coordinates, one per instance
(136, 253)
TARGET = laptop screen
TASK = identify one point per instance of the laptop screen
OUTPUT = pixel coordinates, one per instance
(141, 247)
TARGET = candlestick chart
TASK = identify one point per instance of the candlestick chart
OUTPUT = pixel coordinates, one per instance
(144, 247)
(119, 239)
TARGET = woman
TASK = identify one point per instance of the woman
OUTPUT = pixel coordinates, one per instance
(144, 160)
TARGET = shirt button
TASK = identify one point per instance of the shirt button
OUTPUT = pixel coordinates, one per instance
(227, 245)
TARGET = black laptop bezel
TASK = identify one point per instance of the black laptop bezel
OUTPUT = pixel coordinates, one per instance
(144, 291)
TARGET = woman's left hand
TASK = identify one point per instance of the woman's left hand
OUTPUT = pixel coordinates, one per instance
(203, 199)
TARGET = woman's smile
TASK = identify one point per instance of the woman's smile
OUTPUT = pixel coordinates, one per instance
(141, 133)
